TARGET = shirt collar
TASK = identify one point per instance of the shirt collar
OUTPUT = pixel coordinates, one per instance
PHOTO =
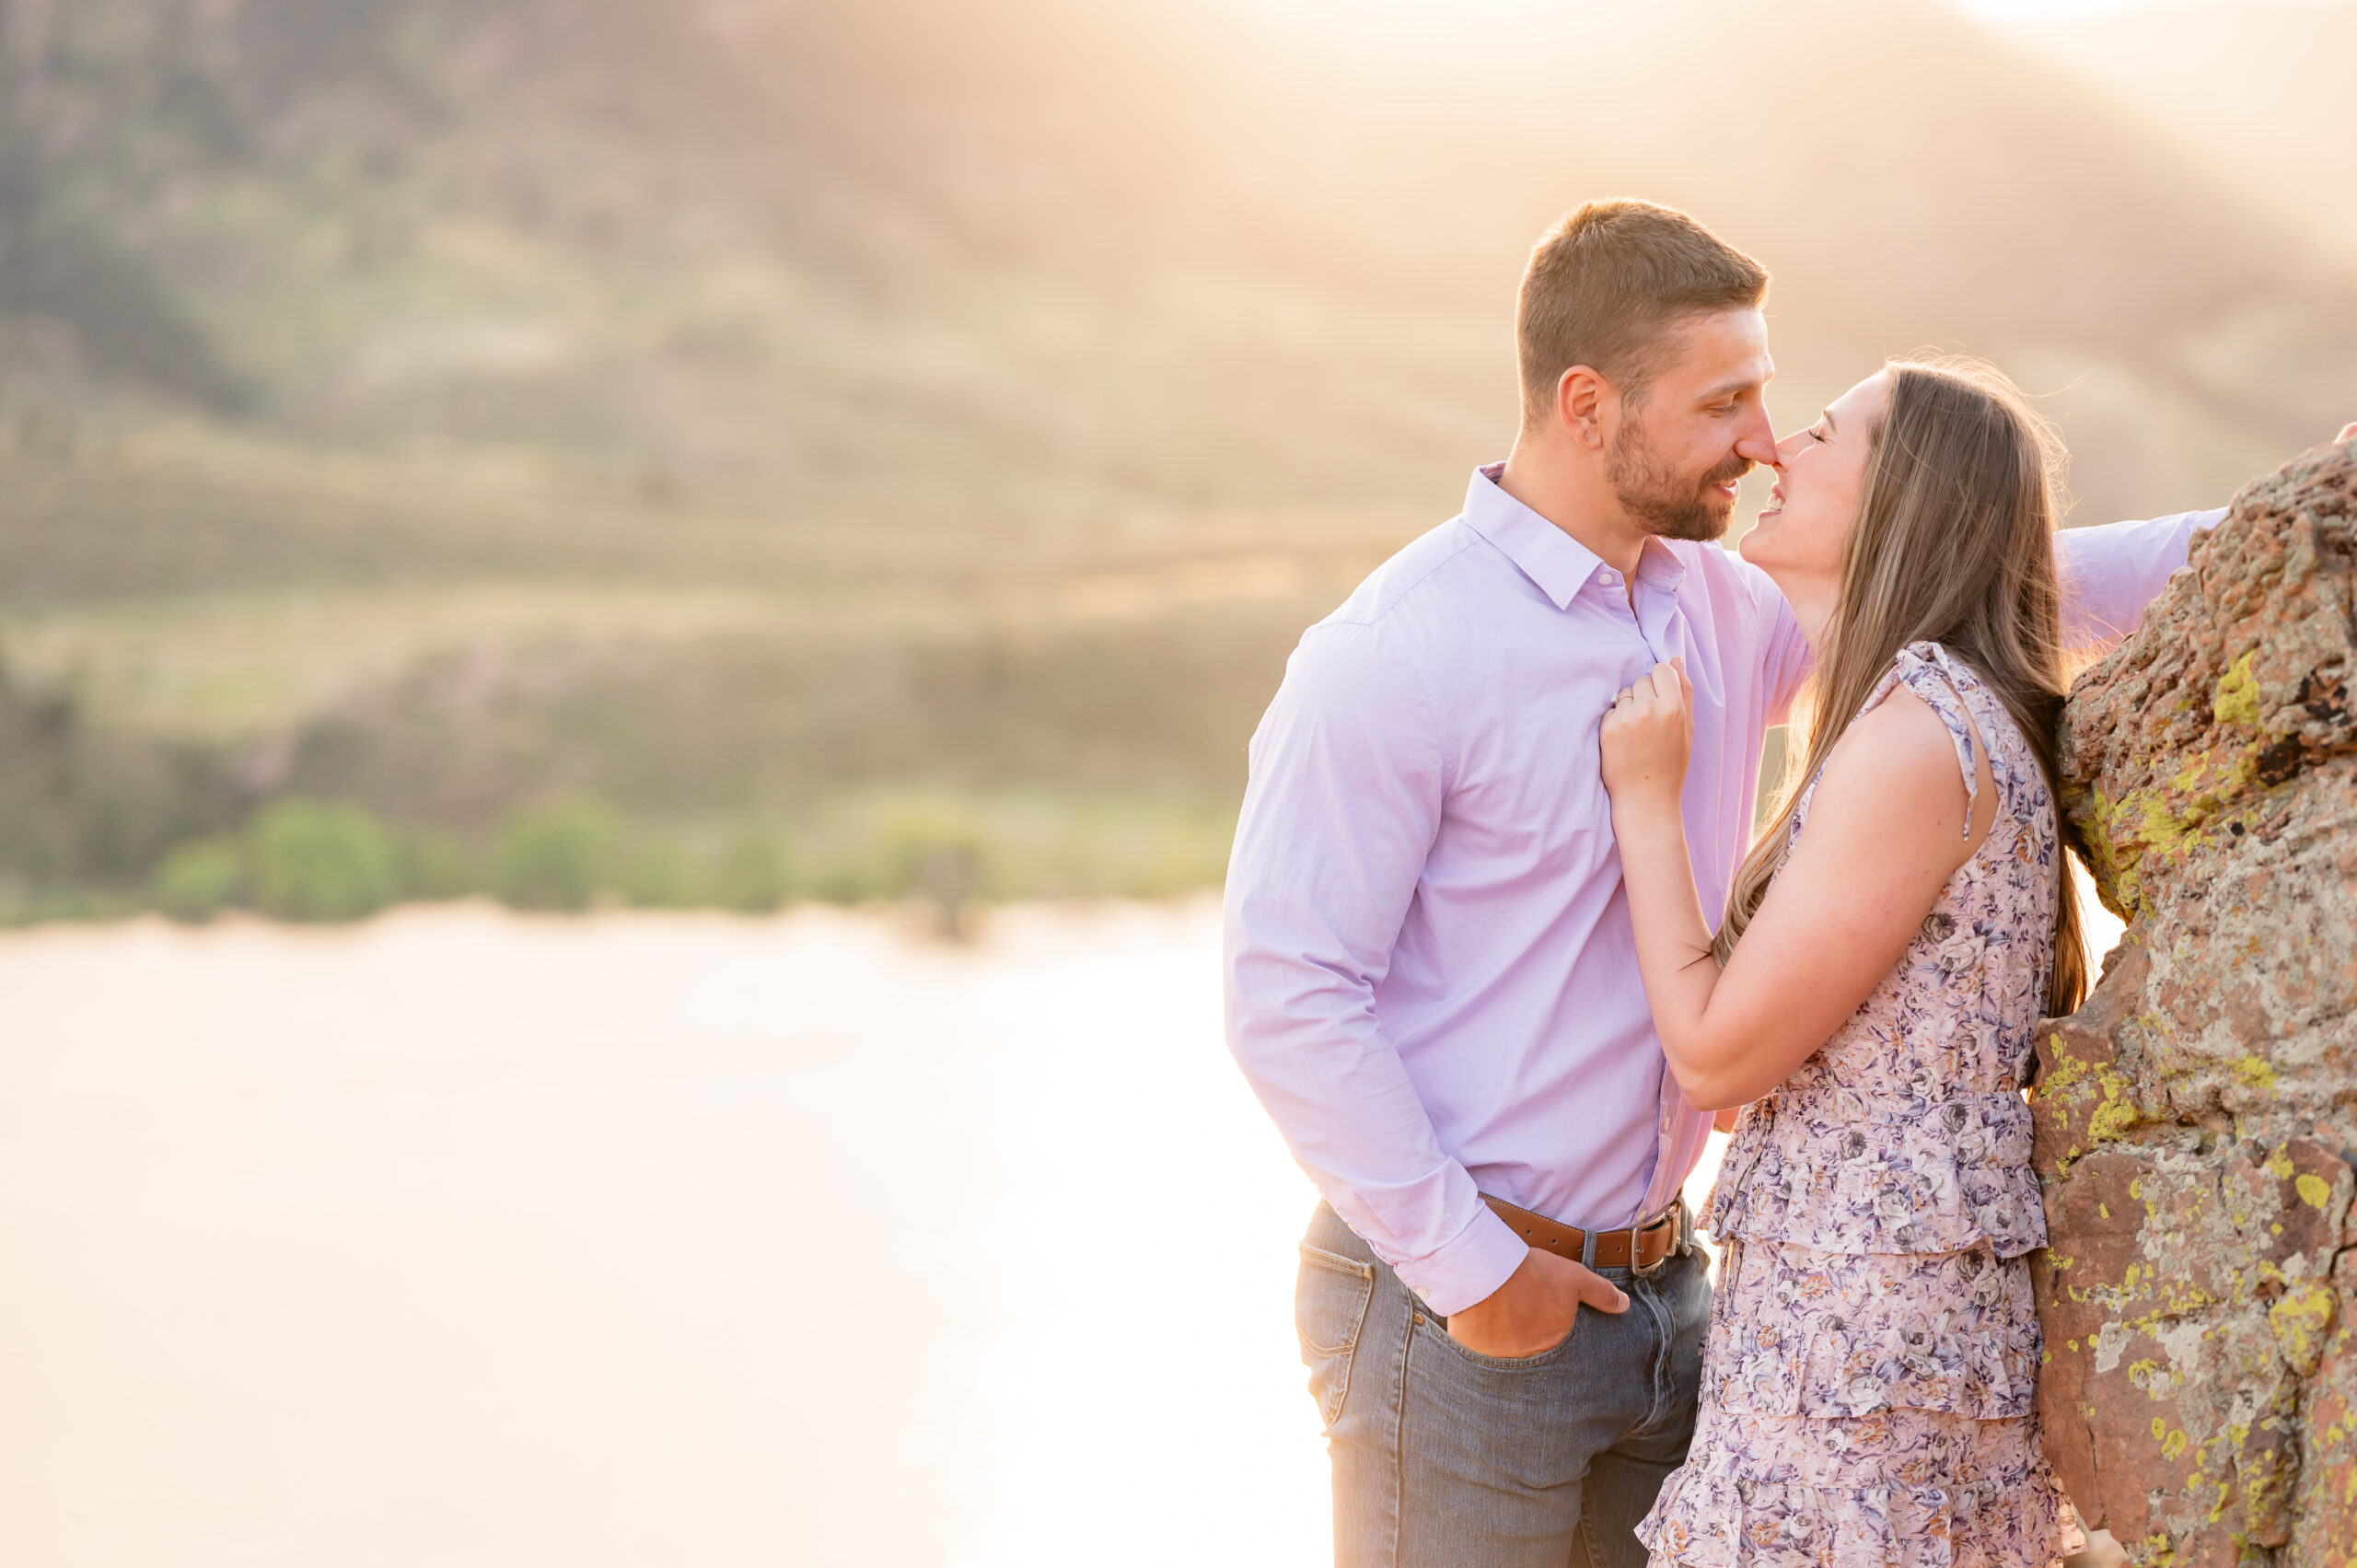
(1558, 563)
(1659, 566)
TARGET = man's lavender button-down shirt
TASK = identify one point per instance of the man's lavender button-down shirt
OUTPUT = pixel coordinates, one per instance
(1430, 979)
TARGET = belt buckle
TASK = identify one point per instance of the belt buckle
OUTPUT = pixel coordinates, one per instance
(1677, 1217)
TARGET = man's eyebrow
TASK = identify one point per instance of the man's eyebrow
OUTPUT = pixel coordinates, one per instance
(1740, 384)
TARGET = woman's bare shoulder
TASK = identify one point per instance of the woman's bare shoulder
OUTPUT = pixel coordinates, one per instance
(1896, 762)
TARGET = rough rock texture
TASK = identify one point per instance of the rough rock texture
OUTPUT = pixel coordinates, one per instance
(2197, 1120)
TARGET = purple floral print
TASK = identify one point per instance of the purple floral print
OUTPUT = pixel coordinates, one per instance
(1869, 1389)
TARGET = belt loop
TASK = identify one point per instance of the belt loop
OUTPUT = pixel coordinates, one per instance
(1588, 1249)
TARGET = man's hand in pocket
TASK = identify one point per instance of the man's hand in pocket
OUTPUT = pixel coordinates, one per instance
(1535, 1309)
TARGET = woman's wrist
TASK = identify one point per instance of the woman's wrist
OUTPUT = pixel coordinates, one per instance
(1652, 824)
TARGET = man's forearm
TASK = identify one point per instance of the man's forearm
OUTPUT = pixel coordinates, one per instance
(1343, 1103)
(1374, 1156)
(2110, 574)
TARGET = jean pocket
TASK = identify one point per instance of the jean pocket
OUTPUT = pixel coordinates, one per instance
(1329, 1311)
(1531, 1363)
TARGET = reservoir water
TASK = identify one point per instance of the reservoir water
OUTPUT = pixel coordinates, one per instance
(475, 1240)
(469, 1239)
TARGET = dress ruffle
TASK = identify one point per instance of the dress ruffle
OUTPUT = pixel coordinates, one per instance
(1932, 1177)
(1724, 1510)
(1840, 1335)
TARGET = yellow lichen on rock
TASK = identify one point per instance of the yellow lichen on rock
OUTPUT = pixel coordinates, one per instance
(2194, 1124)
(2237, 697)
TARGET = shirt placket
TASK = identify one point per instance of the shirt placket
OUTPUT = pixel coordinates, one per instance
(1660, 619)
(1614, 590)
(1660, 622)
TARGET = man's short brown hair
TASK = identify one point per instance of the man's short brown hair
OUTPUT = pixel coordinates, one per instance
(1606, 286)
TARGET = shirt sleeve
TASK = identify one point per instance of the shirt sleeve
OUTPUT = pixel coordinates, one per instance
(2111, 574)
(1348, 780)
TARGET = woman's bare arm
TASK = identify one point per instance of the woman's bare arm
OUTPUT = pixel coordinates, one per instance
(1887, 829)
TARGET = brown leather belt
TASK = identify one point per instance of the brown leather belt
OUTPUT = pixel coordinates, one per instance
(1640, 1248)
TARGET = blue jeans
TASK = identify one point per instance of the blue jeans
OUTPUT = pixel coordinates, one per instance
(1443, 1458)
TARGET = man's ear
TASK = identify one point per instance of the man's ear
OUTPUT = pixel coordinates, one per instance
(1583, 401)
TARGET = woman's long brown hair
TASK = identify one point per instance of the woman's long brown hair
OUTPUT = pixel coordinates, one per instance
(1953, 544)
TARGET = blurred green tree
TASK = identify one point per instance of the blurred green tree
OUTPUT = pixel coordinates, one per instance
(655, 872)
(751, 874)
(200, 878)
(557, 855)
(320, 860)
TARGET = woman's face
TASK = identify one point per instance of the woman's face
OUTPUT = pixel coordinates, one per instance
(1820, 478)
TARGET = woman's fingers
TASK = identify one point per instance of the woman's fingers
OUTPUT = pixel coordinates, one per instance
(1662, 692)
(1670, 685)
(1647, 732)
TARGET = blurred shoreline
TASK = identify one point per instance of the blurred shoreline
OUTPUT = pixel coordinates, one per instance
(987, 930)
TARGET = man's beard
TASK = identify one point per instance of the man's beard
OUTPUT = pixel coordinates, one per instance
(1668, 503)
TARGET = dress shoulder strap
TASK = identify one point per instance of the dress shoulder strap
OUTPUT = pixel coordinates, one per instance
(1946, 686)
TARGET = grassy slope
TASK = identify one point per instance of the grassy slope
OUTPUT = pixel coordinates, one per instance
(471, 401)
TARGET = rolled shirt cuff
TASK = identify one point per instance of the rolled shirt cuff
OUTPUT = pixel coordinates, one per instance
(1469, 1267)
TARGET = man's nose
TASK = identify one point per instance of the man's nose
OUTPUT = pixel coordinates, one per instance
(1757, 443)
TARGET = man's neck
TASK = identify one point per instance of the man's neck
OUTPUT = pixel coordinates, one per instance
(1576, 500)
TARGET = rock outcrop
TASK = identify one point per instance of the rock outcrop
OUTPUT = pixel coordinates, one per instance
(2197, 1119)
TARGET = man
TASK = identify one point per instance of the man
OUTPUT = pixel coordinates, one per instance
(1431, 981)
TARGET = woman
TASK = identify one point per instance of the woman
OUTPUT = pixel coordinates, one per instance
(1868, 1391)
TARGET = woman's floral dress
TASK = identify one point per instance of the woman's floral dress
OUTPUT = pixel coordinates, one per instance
(1868, 1393)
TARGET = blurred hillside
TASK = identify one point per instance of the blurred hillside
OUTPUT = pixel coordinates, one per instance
(899, 430)
(2255, 94)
